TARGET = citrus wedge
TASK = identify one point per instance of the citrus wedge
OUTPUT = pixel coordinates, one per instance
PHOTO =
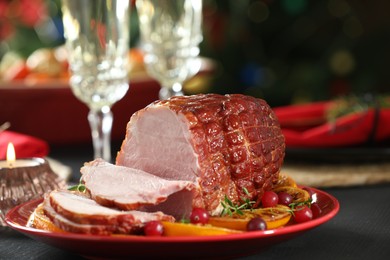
(40, 221)
(183, 229)
(298, 195)
(285, 180)
(274, 217)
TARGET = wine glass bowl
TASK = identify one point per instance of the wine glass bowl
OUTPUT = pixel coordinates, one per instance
(97, 41)
(170, 33)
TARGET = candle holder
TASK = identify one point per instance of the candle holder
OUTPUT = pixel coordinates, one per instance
(20, 184)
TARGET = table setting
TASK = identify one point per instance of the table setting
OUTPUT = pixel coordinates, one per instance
(351, 149)
(341, 237)
(169, 174)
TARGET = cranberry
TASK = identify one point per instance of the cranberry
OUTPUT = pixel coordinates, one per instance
(285, 198)
(154, 228)
(269, 199)
(316, 210)
(256, 224)
(310, 191)
(199, 216)
(302, 214)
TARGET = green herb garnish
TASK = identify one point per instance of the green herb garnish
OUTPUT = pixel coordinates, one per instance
(230, 208)
(295, 205)
(185, 221)
(78, 187)
(346, 105)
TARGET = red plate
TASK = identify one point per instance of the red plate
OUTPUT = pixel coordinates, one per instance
(93, 246)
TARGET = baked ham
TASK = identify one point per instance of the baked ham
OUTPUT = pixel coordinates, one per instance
(74, 212)
(229, 145)
(127, 189)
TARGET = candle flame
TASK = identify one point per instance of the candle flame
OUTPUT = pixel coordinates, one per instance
(11, 157)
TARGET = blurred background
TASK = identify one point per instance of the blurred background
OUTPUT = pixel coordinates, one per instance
(284, 51)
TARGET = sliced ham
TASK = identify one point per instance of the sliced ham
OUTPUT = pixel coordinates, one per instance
(74, 212)
(127, 188)
(228, 145)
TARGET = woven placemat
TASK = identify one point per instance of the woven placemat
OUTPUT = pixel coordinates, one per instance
(337, 175)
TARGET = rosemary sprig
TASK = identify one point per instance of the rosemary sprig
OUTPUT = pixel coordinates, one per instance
(230, 208)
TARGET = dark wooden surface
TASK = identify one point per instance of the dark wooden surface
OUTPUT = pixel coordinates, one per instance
(361, 230)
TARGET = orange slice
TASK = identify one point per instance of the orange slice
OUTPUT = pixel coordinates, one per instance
(285, 180)
(183, 229)
(274, 217)
(40, 221)
(298, 195)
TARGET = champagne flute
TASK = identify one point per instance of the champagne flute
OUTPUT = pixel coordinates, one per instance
(97, 40)
(170, 33)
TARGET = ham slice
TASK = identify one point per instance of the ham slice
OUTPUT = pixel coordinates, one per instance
(228, 145)
(74, 212)
(127, 188)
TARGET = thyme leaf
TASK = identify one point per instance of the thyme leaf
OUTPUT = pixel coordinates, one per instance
(295, 205)
(229, 208)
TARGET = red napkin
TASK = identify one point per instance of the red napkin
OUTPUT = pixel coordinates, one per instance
(306, 126)
(25, 145)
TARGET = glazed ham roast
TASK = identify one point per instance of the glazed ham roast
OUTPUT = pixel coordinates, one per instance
(225, 144)
(184, 152)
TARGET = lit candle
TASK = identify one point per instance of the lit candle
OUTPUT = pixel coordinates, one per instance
(11, 161)
(30, 178)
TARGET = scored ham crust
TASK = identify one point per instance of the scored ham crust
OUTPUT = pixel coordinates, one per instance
(75, 212)
(229, 145)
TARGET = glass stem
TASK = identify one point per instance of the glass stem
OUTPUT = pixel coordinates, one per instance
(169, 91)
(100, 122)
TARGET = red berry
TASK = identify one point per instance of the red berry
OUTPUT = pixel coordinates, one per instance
(269, 199)
(310, 191)
(285, 198)
(302, 214)
(256, 224)
(316, 210)
(154, 228)
(199, 216)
